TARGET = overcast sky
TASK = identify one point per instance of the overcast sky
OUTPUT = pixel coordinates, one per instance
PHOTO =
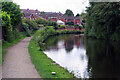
(77, 6)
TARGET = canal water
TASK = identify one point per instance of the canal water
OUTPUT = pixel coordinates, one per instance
(85, 57)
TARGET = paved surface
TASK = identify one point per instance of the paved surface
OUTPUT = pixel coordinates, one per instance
(17, 62)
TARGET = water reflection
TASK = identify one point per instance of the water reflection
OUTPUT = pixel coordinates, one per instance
(85, 57)
(68, 51)
(104, 58)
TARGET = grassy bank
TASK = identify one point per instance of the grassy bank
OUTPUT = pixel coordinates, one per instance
(44, 65)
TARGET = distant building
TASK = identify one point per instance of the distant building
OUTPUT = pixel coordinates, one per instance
(31, 14)
(59, 22)
(53, 16)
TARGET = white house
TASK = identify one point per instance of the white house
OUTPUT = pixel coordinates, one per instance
(59, 22)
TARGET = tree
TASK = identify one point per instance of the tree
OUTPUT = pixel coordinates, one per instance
(78, 15)
(103, 20)
(69, 12)
(14, 11)
(6, 27)
(42, 12)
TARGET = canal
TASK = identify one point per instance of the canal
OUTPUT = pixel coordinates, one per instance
(85, 57)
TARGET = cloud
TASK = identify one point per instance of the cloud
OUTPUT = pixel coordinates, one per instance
(76, 6)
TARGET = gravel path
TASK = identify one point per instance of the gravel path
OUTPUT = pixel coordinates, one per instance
(17, 62)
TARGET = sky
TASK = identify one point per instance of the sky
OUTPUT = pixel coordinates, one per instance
(77, 6)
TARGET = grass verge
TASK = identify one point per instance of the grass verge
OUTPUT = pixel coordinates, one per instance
(44, 65)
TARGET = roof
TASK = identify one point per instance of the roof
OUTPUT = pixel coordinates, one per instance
(27, 15)
(30, 11)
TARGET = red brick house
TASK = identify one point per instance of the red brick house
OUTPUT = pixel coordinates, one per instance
(62, 17)
(53, 16)
(30, 14)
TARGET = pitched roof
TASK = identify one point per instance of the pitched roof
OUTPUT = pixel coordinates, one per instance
(27, 15)
(30, 11)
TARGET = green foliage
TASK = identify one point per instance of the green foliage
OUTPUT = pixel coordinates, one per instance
(78, 15)
(11, 17)
(41, 21)
(30, 26)
(70, 23)
(47, 23)
(42, 35)
(14, 11)
(62, 26)
(69, 12)
(103, 20)
(26, 29)
(36, 47)
(83, 21)
(42, 12)
(83, 15)
(6, 27)
(80, 27)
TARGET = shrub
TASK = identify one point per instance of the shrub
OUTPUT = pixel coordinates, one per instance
(32, 25)
(80, 27)
(14, 11)
(62, 26)
(83, 21)
(7, 27)
(47, 23)
(26, 29)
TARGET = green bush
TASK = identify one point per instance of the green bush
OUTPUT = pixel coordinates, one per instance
(47, 23)
(83, 21)
(14, 11)
(6, 27)
(26, 29)
(80, 27)
(62, 26)
(32, 25)
(103, 23)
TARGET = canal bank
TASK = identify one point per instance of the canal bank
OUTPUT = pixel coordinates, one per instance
(97, 58)
(44, 65)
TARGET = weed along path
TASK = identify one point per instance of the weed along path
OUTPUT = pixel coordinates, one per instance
(17, 62)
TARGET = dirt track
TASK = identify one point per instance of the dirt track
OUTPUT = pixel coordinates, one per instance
(17, 62)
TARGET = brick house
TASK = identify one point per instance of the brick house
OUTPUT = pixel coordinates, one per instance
(30, 14)
(62, 17)
(53, 16)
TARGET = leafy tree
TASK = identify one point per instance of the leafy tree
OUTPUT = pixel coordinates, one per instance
(6, 27)
(14, 11)
(42, 12)
(103, 20)
(69, 12)
(29, 25)
(78, 15)
(46, 23)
